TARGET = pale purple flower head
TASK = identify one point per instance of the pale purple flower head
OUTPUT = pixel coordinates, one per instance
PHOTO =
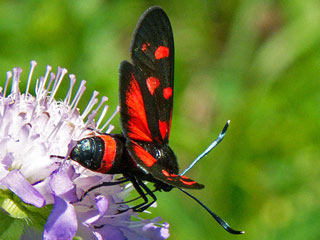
(32, 128)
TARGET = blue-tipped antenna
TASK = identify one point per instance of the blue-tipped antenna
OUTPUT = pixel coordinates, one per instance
(212, 146)
(223, 223)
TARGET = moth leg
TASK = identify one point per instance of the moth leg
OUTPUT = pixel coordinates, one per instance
(136, 198)
(147, 204)
(136, 184)
(102, 185)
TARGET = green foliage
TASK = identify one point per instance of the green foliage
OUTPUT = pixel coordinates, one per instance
(16, 215)
(254, 62)
(10, 228)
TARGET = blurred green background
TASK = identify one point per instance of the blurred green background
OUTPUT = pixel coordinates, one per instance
(254, 62)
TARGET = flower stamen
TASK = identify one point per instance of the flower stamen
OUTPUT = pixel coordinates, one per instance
(93, 101)
(9, 75)
(109, 120)
(15, 83)
(78, 96)
(52, 77)
(72, 82)
(32, 67)
(102, 115)
(57, 84)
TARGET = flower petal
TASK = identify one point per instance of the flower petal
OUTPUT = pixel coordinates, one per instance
(109, 233)
(157, 233)
(62, 222)
(62, 186)
(102, 205)
(17, 183)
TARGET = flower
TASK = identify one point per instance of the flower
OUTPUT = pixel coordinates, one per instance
(32, 129)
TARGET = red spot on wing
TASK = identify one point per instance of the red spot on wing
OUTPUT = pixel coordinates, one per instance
(144, 156)
(189, 183)
(165, 172)
(161, 52)
(137, 120)
(167, 92)
(145, 46)
(182, 179)
(163, 127)
(152, 83)
(110, 147)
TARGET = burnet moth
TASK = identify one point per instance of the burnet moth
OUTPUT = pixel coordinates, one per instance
(141, 152)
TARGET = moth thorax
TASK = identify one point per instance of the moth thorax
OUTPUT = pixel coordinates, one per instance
(88, 152)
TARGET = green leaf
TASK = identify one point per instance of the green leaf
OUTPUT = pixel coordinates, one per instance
(12, 207)
(17, 209)
(10, 228)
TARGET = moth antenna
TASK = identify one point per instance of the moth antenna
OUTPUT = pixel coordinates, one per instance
(223, 223)
(211, 146)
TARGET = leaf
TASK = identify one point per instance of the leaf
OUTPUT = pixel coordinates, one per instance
(10, 228)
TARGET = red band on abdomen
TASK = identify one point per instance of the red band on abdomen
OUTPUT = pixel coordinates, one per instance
(110, 148)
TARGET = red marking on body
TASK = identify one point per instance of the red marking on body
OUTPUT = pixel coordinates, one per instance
(110, 147)
(137, 123)
(189, 183)
(161, 52)
(152, 83)
(145, 46)
(167, 92)
(163, 127)
(144, 156)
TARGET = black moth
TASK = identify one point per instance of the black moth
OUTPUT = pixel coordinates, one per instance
(141, 152)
